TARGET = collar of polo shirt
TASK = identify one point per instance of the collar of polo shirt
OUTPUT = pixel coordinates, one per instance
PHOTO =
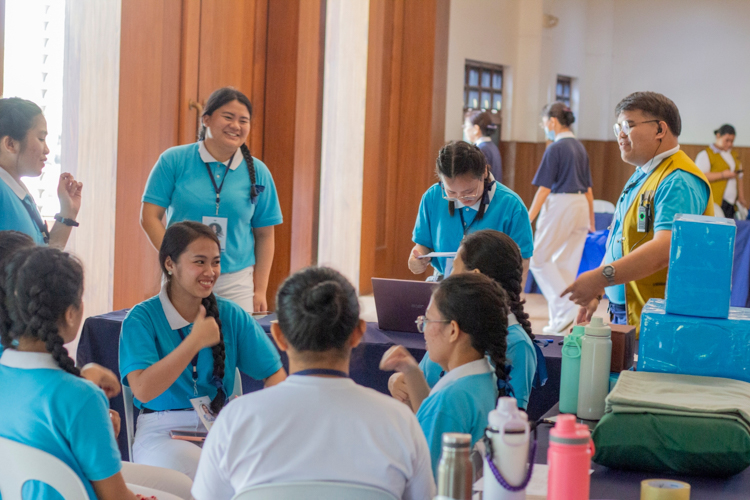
(206, 157)
(18, 188)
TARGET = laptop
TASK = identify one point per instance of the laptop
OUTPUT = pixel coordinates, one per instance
(399, 302)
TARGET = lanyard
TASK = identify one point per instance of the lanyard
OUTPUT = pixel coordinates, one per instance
(217, 188)
(322, 371)
(34, 214)
(194, 362)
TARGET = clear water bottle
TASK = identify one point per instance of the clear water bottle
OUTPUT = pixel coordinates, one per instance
(596, 359)
(570, 370)
(455, 470)
(508, 433)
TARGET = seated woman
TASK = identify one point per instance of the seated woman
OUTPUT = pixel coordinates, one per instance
(186, 343)
(53, 409)
(496, 255)
(465, 323)
(318, 425)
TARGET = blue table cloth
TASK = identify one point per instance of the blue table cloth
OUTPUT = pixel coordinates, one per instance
(99, 343)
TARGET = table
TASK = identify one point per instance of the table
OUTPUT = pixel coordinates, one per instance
(99, 343)
(619, 484)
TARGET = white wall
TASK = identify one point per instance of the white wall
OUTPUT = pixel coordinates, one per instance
(690, 50)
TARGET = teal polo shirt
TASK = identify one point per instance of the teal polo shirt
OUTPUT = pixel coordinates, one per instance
(435, 228)
(679, 193)
(61, 414)
(179, 182)
(151, 331)
(520, 354)
(15, 216)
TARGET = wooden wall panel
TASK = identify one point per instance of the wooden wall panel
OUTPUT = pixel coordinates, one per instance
(148, 117)
(405, 86)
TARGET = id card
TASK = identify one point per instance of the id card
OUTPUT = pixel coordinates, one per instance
(202, 406)
(219, 226)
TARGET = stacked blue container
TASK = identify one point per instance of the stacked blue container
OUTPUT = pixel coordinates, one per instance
(694, 331)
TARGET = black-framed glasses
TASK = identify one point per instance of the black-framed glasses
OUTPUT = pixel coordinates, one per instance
(626, 127)
(421, 320)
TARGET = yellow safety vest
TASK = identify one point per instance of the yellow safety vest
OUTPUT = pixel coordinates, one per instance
(637, 293)
(719, 164)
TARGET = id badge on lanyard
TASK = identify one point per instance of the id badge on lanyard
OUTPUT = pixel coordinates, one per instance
(218, 224)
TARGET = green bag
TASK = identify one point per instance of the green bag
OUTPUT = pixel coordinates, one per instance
(651, 442)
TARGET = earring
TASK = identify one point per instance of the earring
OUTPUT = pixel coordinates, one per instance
(169, 273)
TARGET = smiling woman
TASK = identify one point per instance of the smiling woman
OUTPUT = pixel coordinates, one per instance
(189, 183)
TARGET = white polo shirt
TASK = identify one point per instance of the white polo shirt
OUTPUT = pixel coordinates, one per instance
(315, 429)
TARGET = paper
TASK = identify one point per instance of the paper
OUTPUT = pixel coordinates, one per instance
(438, 254)
(202, 406)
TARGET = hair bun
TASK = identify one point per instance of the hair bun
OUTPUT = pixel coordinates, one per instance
(324, 300)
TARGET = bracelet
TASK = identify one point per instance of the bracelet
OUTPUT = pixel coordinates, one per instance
(67, 222)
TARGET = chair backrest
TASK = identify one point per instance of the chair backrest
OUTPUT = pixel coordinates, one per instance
(20, 463)
(127, 399)
(313, 490)
(603, 207)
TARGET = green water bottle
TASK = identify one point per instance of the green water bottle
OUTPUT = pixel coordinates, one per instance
(570, 370)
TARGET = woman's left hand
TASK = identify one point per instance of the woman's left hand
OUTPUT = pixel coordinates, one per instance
(69, 193)
(398, 358)
(260, 304)
(103, 378)
(115, 417)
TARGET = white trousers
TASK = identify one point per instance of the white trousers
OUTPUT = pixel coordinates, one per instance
(156, 481)
(238, 287)
(153, 446)
(558, 246)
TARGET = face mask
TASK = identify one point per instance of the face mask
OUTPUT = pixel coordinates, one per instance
(549, 134)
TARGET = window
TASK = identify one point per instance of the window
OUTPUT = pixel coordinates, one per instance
(33, 70)
(483, 86)
(562, 92)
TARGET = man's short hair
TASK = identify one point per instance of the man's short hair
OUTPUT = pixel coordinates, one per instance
(657, 105)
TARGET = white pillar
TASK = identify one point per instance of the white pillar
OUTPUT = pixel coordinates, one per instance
(91, 84)
(342, 158)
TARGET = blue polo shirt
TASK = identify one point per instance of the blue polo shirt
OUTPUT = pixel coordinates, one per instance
(179, 182)
(520, 354)
(59, 413)
(151, 331)
(460, 405)
(564, 167)
(436, 229)
(679, 193)
(15, 216)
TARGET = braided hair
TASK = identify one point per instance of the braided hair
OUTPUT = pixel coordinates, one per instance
(176, 240)
(461, 158)
(496, 255)
(38, 287)
(318, 310)
(217, 99)
(479, 305)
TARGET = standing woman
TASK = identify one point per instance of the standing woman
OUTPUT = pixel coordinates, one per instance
(186, 343)
(723, 169)
(467, 198)
(23, 152)
(479, 128)
(217, 182)
(565, 205)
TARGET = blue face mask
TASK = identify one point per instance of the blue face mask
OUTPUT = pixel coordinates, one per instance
(549, 134)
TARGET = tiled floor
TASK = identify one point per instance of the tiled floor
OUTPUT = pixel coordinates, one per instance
(535, 306)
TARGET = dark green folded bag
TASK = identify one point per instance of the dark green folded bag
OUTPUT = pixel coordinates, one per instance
(653, 442)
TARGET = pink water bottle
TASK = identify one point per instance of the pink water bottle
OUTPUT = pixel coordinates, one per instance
(569, 459)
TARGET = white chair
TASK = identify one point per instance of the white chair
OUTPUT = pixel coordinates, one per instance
(20, 463)
(127, 399)
(313, 490)
(603, 207)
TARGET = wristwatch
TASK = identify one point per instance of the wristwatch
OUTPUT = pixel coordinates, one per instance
(609, 273)
(67, 222)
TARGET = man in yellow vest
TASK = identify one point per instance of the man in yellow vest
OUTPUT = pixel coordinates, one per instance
(723, 169)
(666, 182)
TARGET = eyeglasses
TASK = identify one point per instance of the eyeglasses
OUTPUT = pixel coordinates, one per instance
(421, 320)
(462, 198)
(625, 126)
